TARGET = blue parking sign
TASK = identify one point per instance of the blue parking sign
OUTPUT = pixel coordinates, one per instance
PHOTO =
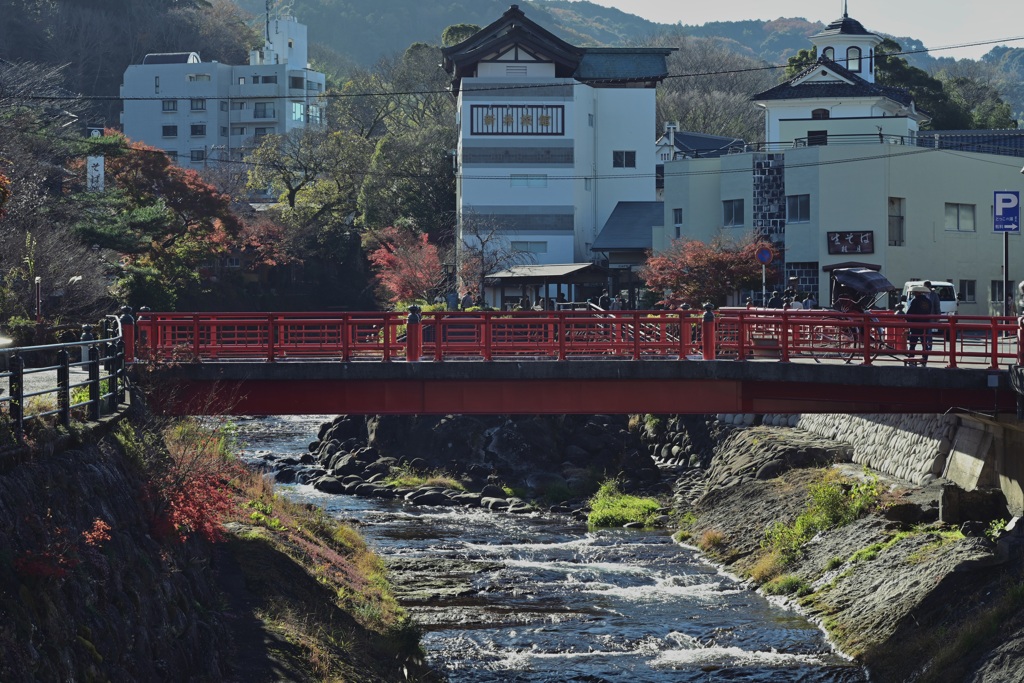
(1007, 211)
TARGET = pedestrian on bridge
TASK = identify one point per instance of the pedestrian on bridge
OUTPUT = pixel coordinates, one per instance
(920, 312)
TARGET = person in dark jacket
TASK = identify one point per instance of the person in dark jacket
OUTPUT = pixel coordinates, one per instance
(920, 313)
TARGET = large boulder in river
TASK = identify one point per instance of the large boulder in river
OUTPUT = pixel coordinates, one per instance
(514, 450)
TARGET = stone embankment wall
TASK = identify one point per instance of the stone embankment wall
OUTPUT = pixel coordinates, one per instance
(914, 448)
(910, 447)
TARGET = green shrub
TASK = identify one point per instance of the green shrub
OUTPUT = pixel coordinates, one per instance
(995, 527)
(832, 503)
(610, 507)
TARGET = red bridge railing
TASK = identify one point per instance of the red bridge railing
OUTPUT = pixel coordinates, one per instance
(733, 333)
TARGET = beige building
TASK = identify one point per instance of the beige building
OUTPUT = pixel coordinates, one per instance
(847, 177)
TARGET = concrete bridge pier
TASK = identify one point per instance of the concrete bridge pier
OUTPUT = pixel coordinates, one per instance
(988, 453)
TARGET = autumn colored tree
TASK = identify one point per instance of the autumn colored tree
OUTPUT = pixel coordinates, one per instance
(164, 220)
(408, 266)
(695, 272)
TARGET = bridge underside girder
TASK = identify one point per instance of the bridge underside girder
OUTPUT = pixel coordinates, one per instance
(693, 387)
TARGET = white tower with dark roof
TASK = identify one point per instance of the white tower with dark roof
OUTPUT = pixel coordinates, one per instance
(846, 42)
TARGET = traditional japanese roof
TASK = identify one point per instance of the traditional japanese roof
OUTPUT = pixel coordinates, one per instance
(844, 83)
(172, 58)
(628, 228)
(539, 273)
(844, 26)
(621, 64)
(595, 66)
(1008, 142)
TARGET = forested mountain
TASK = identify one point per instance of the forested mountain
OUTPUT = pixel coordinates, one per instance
(364, 31)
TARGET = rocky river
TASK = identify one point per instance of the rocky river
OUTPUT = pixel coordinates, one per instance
(540, 597)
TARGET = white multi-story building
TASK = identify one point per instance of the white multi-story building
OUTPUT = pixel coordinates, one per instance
(551, 137)
(847, 177)
(200, 112)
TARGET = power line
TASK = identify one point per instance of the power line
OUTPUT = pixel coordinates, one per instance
(330, 95)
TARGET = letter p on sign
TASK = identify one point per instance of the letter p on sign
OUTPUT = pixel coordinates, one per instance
(1007, 211)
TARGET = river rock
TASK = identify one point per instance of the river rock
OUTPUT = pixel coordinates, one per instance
(285, 475)
(467, 498)
(494, 503)
(429, 498)
(329, 484)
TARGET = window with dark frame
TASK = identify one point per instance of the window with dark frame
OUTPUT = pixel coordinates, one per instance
(197, 105)
(732, 213)
(968, 291)
(169, 131)
(817, 138)
(198, 129)
(897, 222)
(798, 208)
(624, 159)
(169, 105)
(263, 110)
(853, 59)
(960, 217)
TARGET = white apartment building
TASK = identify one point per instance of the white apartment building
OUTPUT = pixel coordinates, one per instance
(552, 137)
(202, 112)
(847, 177)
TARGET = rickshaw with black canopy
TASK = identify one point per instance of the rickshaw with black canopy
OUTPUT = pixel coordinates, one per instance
(853, 291)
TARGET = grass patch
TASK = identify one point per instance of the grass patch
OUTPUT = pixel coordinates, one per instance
(515, 492)
(787, 584)
(834, 563)
(867, 554)
(405, 477)
(942, 538)
(711, 540)
(767, 567)
(610, 507)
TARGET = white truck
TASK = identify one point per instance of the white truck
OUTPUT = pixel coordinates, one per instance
(948, 302)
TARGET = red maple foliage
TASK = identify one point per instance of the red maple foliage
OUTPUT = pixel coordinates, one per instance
(202, 216)
(194, 504)
(5, 192)
(408, 265)
(695, 272)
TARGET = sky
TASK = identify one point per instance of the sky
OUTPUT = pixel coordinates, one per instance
(936, 23)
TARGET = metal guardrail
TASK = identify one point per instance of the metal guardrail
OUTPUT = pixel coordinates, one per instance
(105, 383)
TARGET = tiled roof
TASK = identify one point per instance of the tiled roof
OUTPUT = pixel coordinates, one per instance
(629, 227)
(590, 65)
(623, 64)
(1008, 142)
(857, 86)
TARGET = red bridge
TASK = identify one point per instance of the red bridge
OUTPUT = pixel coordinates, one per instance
(739, 360)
